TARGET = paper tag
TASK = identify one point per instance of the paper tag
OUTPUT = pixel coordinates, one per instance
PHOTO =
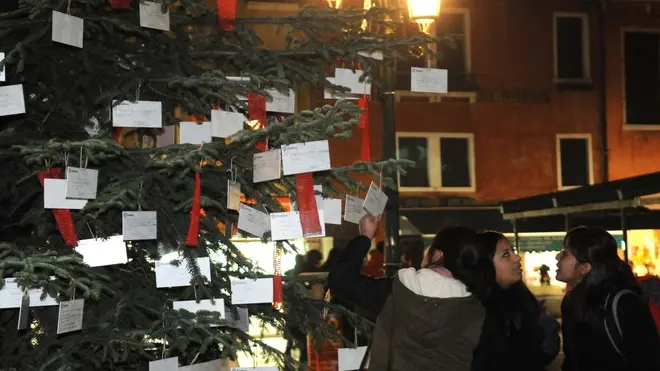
(224, 124)
(55, 196)
(12, 101)
(350, 79)
(262, 368)
(24, 312)
(98, 253)
(285, 226)
(204, 304)
(195, 133)
(354, 209)
(139, 225)
(351, 358)
(428, 80)
(233, 195)
(376, 201)
(306, 157)
(328, 94)
(168, 275)
(152, 16)
(2, 70)
(253, 221)
(332, 210)
(11, 296)
(252, 291)
(281, 102)
(67, 29)
(167, 364)
(70, 317)
(215, 365)
(81, 183)
(267, 166)
(141, 114)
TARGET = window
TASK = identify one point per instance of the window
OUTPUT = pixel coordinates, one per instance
(444, 161)
(642, 78)
(453, 56)
(574, 160)
(571, 43)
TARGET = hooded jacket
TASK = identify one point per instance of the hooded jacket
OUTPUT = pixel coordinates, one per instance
(430, 322)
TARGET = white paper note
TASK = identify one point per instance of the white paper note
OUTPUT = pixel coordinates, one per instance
(12, 101)
(55, 196)
(98, 253)
(215, 365)
(141, 114)
(67, 29)
(351, 358)
(167, 364)
(332, 210)
(194, 133)
(262, 368)
(428, 80)
(252, 291)
(224, 124)
(350, 79)
(267, 166)
(204, 304)
(233, 195)
(81, 183)
(11, 296)
(253, 221)
(354, 209)
(168, 275)
(328, 94)
(152, 16)
(281, 102)
(70, 317)
(139, 225)
(375, 201)
(285, 226)
(2, 70)
(306, 157)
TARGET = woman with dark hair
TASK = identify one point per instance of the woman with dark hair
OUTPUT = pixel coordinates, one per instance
(517, 335)
(428, 319)
(606, 324)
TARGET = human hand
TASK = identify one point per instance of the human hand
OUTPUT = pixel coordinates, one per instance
(368, 225)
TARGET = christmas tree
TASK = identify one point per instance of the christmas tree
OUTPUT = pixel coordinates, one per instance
(86, 214)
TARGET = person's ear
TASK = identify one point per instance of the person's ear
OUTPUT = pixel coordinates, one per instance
(585, 268)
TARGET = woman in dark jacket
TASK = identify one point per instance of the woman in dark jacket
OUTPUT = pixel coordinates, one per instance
(517, 335)
(606, 324)
(428, 319)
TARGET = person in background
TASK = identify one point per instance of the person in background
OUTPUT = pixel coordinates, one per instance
(375, 265)
(300, 263)
(517, 334)
(428, 319)
(606, 324)
(313, 260)
(412, 256)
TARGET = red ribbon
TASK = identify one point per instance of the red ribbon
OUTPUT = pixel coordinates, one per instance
(307, 208)
(257, 112)
(226, 14)
(278, 299)
(365, 148)
(193, 228)
(62, 216)
(120, 4)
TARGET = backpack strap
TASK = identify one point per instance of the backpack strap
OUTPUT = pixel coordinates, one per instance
(611, 321)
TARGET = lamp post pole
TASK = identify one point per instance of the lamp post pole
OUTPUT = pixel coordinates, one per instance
(393, 248)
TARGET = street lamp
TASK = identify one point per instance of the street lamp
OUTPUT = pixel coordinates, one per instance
(424, 12)
(336, 4)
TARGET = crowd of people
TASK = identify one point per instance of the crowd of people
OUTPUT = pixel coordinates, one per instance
(465, 307)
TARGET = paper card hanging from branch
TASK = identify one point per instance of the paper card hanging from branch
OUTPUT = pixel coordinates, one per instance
(307, 207)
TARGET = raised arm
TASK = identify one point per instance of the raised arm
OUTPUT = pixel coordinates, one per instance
(346, 281)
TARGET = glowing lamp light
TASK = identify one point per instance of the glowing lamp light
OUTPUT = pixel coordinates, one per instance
(336, 4)
(424, 12)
